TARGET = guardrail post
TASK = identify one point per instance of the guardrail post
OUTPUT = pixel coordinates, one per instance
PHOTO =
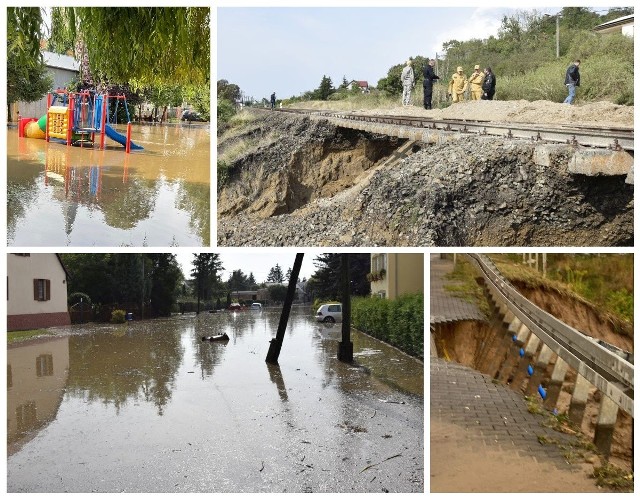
(514, 353)
(539, 370)
(555, 384)
(579, 399)
(607, 416)
(521, 371)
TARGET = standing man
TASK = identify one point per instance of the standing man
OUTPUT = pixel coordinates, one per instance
(407, 83)
(458, 85)
(572, 80)
(273, 101)
(427, 83)
(488, 85)
(475, 81)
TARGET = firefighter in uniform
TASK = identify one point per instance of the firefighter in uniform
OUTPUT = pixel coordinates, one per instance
(457, 85)
(475, 83)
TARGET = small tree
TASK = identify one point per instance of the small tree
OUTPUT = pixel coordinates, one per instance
(325, 89)
(275, 274)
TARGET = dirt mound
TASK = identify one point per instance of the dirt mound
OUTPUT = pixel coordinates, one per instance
(522, 111)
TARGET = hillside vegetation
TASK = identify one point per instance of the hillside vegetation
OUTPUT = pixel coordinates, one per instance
(605, 280)
(522, 56)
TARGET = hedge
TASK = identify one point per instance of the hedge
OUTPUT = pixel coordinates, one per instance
(399, 322)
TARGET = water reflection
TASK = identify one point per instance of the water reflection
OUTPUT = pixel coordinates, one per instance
(150, 394)
(60, 195)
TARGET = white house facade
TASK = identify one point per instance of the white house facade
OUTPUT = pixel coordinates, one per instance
(36, 291)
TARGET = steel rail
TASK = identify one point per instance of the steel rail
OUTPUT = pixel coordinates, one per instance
(606, 370)
(615, 138)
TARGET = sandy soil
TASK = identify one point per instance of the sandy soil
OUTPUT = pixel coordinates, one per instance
(459, 465)
(522, 111)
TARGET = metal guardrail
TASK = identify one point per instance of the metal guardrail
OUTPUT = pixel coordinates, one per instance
(606, 370)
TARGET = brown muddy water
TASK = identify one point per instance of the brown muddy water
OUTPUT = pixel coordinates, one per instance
(149, 407)
(72, 196)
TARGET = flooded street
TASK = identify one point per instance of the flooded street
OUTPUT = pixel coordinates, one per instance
(72, 196)
(150, 407)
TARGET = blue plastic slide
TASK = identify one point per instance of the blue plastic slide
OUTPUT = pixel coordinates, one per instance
(119, 138)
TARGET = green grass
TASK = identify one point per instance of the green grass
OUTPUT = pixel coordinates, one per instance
(603, 282)
(614, 478)
(463, 285)
(18, 336)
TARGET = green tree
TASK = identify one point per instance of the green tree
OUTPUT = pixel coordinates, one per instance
(238, 281)
(199, 97)
(162, 96)
(91, 274)
(326, 282)
(277, 292)
(229, 91)
(166, 283)
(275, 274)
(325, 89)
(251, 282)
(27, 77)
(152, 45)
(206, 272)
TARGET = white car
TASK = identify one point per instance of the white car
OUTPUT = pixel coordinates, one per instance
(256, 306)
(329, 312)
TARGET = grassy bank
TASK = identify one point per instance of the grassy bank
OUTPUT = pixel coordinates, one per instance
(398, 322)
(18, 336)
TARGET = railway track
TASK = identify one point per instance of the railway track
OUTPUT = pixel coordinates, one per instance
(607, 368)
(598, 137)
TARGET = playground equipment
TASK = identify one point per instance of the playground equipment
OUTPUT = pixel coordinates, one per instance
(76, 120)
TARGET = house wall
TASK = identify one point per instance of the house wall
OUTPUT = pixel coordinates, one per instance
(25, 312)
(404, 274)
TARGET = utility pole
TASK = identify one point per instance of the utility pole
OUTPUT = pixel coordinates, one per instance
(557, 16)
(276, 343)
(345, 347)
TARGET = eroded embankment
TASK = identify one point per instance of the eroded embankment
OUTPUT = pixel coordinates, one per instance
(474, 343)
(313, 183)
(295, 162)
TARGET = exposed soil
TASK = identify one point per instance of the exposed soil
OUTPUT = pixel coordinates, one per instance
(472, 343)
(315, 184)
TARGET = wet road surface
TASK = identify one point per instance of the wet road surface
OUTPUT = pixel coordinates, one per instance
(149, 407)
(71, 196)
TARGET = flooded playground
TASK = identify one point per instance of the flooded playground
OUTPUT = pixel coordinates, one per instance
(60, 195)
(149, 407)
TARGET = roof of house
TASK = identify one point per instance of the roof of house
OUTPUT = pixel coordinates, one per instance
(60, 61)
(620, 21)
(360, 83)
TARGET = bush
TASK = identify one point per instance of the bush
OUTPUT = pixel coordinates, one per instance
(118, 316)
(226, 110)
(399, 322)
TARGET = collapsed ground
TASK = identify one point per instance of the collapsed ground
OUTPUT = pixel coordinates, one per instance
(299, 181)
(465, 342)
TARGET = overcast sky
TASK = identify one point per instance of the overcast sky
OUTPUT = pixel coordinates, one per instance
(258, 262)
(288, 50)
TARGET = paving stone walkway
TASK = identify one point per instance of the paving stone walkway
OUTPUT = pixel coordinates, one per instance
(492, 415)
(444, 306)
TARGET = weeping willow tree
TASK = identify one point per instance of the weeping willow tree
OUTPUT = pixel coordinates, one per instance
(142, 46)
(27, 76)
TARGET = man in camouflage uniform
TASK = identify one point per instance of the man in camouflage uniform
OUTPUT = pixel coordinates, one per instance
(458, 85)
(407, 79)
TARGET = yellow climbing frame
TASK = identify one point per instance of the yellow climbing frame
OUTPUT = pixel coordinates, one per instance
(58, 121)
